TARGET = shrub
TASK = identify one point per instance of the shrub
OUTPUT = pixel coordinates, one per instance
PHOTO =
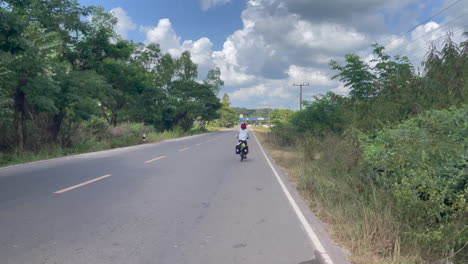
(423, 162)
(282, 134)
(321, 116)
(127, 134)
(97, 127)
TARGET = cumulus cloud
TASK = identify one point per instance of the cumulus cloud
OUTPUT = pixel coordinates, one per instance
(124, 22)
(367, 15)
(276, 48)
(290, 41)
(270, 91)
(207, 4)
(309, 75)
(341, 89)
(165, 35)
(283, 42)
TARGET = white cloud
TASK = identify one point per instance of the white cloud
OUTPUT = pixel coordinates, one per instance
(417, 44)
(207, 4)
(124, 22)
(276, 48)
(341, 89)
(201, 53)
(270, 90)
(287, 41)
(308, 75)
(166, 37)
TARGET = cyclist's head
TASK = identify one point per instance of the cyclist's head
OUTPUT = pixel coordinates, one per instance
(243, 125)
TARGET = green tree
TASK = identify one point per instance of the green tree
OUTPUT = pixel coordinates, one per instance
(34, 33)
(127, 82)
(324, 114)
(187, 100)
(357, 76)
(280, 115)
(227, 115)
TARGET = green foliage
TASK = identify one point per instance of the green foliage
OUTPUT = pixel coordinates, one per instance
(283, 134)
(263, 112)
(357, 76)
(227, 115)
(323, 115)
(5, 107)
(412, 173)
(59, 70)
(424, 162)
(280, 115)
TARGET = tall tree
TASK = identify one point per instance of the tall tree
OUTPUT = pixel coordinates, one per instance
(227, 115)
(357, 76)
(34, 33)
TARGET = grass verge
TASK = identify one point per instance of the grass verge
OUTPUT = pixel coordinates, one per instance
(93, 144)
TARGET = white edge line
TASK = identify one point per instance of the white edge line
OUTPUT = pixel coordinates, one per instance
(310, 232)
(82, 184)
(158, 158)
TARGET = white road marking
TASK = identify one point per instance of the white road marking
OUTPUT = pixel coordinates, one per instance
(82, 184)
(310, 232)
(184, 149)
(158, 158)
(199, 144)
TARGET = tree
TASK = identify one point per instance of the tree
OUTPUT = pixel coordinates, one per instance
(127, 82)
(324, 114)
(58, 70)
(33, 34)
(280, 115)
(227, 115)
(187, 100)
(392, 76)
(446, 72)
(356, 75)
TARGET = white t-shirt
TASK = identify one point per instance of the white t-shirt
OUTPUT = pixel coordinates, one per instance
(243, 134)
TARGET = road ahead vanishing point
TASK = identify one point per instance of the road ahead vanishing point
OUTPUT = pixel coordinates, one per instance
(188, 200)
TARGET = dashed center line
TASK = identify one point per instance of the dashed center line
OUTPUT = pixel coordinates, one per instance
(184, 149)
(82, 184)
(158, 158)
(199, 144)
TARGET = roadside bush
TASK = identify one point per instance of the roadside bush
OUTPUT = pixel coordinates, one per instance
(97, 127)
(282, 134)
(127, 134)
(321, 116)
(424, 163)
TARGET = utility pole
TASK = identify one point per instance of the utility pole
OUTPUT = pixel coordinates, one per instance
(300, 93)
(269, 116)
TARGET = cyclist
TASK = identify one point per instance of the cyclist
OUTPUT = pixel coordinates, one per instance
(243, 135)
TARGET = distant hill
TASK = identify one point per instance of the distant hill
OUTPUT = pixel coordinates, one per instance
(263, 112)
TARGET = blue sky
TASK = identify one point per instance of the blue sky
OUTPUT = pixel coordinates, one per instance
(264, 46)
(186, 16)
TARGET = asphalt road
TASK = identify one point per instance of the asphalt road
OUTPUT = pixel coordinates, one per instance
(189, 200)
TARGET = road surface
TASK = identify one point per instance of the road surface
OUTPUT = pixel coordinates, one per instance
(189, 200)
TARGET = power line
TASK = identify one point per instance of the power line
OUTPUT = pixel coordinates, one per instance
(415, 27)
(441, 26)
(407, 32)
(432, 42)
(288, 105)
